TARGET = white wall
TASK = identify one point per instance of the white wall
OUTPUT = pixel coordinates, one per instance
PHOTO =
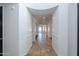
(60, 29)
(34, 28)
(25, 29)
(72, 30)
(17, 29)
(55, 30)
(10, 29)
(63, 29)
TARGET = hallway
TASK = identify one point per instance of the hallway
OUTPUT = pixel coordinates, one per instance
(42, 32)
(22, 22)
(42, 50)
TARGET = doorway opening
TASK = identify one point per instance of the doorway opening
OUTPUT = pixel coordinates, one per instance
(42, 32)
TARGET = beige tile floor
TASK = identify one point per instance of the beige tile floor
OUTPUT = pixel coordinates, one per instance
(46, 50)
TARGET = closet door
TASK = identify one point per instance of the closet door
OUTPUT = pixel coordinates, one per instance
(1, 36)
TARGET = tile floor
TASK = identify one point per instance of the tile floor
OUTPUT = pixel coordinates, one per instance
(46, 50)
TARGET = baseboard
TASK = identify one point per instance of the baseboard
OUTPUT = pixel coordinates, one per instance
(55, 51)
(28, 50)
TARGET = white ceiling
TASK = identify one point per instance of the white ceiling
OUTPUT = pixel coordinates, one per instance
(41, 6)
(40, 14)
(44, 12)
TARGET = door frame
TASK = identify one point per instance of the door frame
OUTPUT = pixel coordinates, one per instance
(2, 30)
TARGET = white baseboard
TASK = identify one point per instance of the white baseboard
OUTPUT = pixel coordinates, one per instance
(55, 50)
(28, 49)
